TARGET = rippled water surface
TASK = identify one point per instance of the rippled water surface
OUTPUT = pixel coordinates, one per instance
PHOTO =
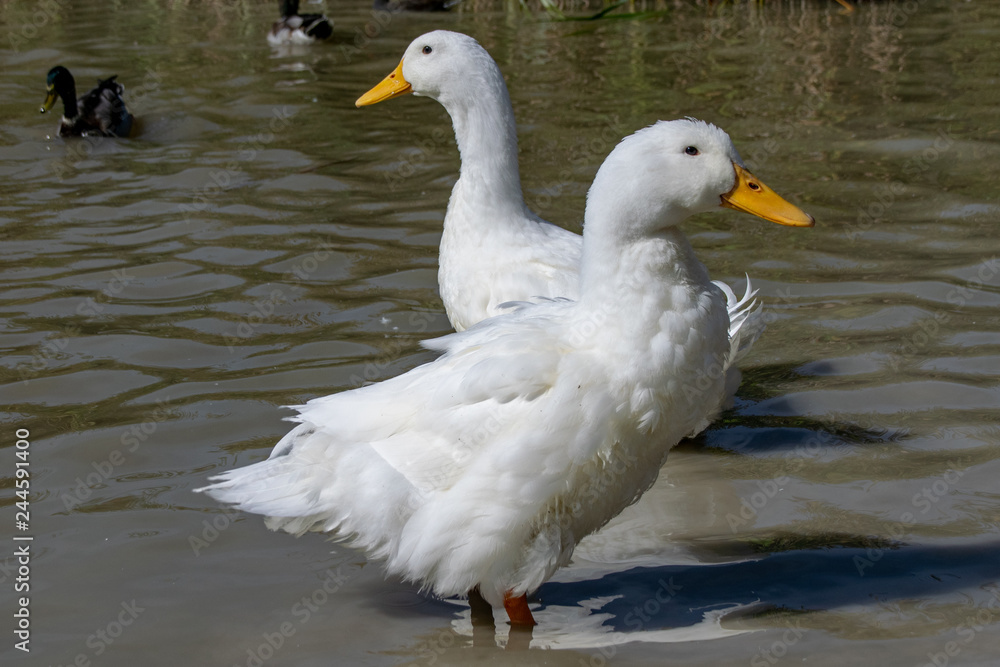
(262, 242)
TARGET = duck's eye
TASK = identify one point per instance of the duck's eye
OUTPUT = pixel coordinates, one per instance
(427, 49)
(691, 150)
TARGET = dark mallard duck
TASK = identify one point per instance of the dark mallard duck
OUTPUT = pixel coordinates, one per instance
(101, 112)
(295, 28)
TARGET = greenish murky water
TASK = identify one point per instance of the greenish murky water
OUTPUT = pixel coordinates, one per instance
(262, 242)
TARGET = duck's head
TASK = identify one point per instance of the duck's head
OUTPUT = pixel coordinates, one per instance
(669, 171)
(439, 64)
(289, 7)
(60, 84)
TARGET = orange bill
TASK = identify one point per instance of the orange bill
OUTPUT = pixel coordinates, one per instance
(751, 196)
(391, 86)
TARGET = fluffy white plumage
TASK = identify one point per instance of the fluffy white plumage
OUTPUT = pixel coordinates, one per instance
(486, 466)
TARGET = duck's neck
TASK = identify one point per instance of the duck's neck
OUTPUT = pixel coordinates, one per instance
(632, 245)
(68, 94)
(639, 273)
(487, 141)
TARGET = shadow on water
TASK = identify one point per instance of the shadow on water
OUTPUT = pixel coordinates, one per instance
(748, 434)
(700, 602)
(794, 580)
(748, 431)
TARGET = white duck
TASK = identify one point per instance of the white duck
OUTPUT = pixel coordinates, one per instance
(493, 248)
(480, 471)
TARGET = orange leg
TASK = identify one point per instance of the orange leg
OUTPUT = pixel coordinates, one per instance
(517, 610)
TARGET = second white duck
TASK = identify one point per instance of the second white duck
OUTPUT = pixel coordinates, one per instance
(494, 249)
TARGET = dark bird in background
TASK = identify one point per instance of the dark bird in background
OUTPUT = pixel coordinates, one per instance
(101, 112)
(295, 28)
